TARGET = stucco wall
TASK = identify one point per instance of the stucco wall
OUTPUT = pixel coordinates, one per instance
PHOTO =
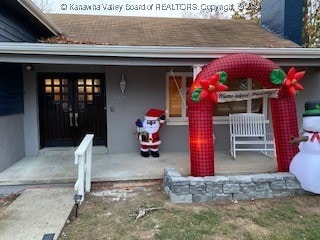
(11, 140)
(146, 88)
(30, 117)
(311, 92)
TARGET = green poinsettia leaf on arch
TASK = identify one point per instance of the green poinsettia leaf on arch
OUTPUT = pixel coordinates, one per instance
(223, 77)
(195, 96)
(277, 76)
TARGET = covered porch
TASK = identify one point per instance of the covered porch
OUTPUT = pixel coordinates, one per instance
(56, 166)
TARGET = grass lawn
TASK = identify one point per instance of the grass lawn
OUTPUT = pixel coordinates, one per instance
(111, 214)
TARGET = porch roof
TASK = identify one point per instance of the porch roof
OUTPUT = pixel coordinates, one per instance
(156, 31)
(141, 41)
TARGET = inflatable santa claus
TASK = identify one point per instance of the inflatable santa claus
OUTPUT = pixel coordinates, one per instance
(148, 132)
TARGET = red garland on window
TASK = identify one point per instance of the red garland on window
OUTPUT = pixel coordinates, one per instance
(209, 88)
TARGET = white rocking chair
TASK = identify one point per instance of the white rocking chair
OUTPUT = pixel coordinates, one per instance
(248, 133)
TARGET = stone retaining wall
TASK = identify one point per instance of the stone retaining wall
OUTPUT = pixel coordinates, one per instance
(227, 188)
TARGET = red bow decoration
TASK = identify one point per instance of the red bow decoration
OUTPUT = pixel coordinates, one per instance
(291, 81)
(209, 88)
(315, 135)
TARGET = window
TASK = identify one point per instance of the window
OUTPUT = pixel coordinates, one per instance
(179, 84)
(177, 88)
(222, 110)
(57, 90)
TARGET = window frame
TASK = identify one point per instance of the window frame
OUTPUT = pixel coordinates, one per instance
(184, 119)
(217, 119)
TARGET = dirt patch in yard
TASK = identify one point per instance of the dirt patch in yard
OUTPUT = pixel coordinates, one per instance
(112, 214)
(6, 200)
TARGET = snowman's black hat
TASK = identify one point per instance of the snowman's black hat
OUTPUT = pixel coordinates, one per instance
(312, 108)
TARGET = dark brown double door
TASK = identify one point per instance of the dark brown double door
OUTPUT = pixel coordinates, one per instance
(71, 106)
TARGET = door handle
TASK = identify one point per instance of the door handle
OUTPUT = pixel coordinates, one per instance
(70, 119)
(76, 119)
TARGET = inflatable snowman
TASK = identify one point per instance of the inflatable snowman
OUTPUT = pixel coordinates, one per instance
(305, 165)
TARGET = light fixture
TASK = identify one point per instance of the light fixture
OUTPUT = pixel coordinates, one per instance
(122, 84)
(77, 201)
(29, 68)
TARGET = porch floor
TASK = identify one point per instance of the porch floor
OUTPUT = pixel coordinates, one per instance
(56, 165)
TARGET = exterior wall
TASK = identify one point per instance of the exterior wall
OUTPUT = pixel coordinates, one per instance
(11, 140)
(146, 88)
(11, 117)
(273, 20)
(13, 29)
(284, 18)
(11, 89)
(31, 116)
(311, 84)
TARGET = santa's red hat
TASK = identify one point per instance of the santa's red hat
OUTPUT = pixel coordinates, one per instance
(154, 114)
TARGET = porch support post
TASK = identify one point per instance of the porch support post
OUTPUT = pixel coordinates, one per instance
(196, 70)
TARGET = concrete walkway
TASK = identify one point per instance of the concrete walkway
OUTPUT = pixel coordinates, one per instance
(36, 212)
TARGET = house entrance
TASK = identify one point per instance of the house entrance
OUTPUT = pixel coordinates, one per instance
(70, 106)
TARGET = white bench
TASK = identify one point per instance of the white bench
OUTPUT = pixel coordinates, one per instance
(248, 133)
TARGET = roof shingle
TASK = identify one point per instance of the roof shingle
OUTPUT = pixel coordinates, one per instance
(154, 31)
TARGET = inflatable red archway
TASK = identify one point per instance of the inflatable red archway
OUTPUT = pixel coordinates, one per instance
(283, 109)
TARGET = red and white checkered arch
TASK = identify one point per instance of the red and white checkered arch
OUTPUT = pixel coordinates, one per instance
(283, 110)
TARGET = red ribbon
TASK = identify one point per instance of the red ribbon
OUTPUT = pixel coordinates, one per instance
(315, 135)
